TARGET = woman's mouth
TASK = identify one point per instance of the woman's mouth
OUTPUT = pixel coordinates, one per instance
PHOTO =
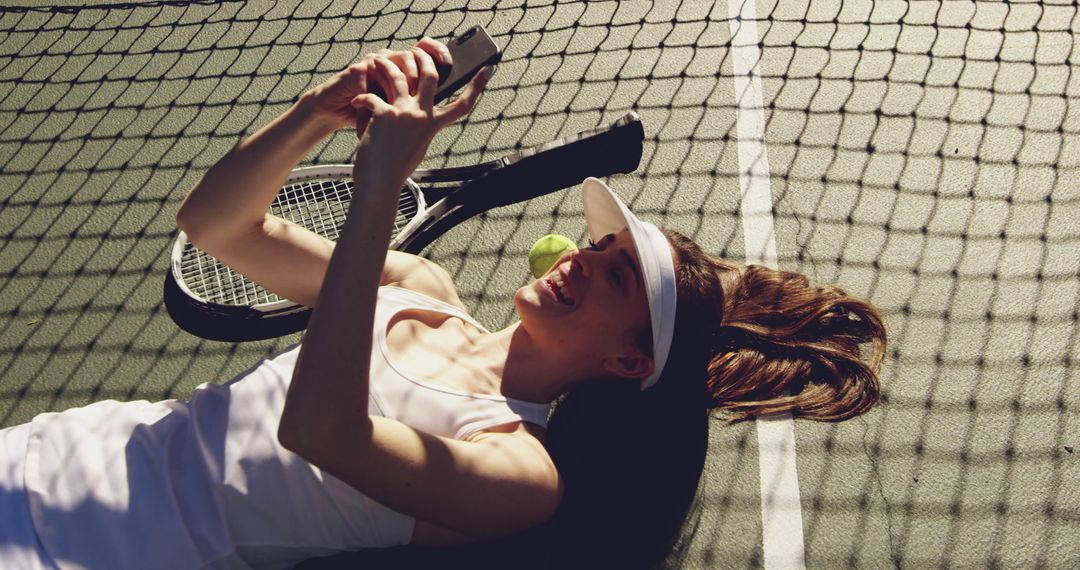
(556, 283)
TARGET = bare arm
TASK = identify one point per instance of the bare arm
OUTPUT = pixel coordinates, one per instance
(235, 193)
(226, 213)
(497, 484)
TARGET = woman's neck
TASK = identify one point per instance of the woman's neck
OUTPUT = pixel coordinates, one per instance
(507, 362)
(521, 368)
(528, 371)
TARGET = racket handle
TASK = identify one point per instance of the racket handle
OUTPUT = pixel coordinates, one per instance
(541, 170)
(545, 168)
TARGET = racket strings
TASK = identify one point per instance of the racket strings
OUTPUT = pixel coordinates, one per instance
(320, 205)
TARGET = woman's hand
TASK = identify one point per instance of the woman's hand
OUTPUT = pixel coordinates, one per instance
(396, 129)
(331, 99)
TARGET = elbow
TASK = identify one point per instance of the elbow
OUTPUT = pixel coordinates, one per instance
(187, 224)
(537, 502)
(296, 433)
(316, 445)
(288, 433)
(212, 233)
(289, 437)
(526, 516)
(550, 502)
(299, 439)
(192, 222)
(183, 217)
(192, 217)
(197, 209)
(319, 438)
(547, 493)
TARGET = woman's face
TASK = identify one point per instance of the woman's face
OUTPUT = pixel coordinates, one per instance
(592, 303)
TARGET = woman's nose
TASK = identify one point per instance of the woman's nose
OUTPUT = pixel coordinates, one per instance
(581, 260)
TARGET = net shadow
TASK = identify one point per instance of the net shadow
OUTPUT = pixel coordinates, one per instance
(922, 155)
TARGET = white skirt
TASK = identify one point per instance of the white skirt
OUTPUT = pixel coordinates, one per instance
(20, 548)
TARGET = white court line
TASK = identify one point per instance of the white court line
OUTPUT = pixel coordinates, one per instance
(781, 510)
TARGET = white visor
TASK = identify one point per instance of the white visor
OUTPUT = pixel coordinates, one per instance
(606, 214)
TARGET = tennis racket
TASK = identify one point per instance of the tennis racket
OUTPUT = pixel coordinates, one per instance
(209, 299)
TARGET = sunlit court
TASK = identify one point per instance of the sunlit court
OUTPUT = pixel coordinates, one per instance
(923, 156)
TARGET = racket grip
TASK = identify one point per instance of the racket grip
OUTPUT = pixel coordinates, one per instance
(542, 169)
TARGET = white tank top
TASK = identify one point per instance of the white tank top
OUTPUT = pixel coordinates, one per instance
(206, 484)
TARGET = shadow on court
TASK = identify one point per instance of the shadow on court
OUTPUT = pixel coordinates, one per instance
(922, 155)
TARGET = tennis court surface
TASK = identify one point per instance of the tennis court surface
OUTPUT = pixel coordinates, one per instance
(922, 155)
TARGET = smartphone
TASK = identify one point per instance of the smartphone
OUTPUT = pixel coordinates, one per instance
(471, 51)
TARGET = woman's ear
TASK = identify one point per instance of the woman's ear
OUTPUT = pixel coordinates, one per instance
(634, 365)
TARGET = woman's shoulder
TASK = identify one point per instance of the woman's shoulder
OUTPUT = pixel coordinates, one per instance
(421, 275)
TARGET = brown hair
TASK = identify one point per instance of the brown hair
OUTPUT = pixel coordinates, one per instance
(772, 342)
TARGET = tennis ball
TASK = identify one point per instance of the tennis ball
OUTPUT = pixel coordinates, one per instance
(546, 251)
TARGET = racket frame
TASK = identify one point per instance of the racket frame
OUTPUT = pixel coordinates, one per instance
(283, 306)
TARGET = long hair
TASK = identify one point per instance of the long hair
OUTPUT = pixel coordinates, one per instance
(767, 341)
(748, 341)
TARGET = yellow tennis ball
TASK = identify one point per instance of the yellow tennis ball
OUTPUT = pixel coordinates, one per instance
(546, 251)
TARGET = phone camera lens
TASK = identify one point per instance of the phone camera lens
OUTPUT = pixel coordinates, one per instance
(465, 37)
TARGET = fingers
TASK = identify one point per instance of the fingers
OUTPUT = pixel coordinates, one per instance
(363, 115)
(409, 80)
(465, 102)
(361, 121)
(393, 81)
(377, 81)
(355, 77)
(409, 63)
(405, 61)
(428, 79)
(369, 104)
(437, 50)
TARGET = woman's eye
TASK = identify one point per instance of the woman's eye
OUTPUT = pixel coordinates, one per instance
(616, 278)
(604, 240)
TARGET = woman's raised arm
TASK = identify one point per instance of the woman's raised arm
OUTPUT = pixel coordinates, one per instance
(498, 484)
(226, 213)
(236, 192)
(329, 391)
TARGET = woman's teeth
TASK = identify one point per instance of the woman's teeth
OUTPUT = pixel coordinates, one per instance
(560, 288)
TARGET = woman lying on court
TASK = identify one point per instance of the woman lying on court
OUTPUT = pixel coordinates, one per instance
(399, 419)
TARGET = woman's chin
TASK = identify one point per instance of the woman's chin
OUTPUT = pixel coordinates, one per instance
(530, 301)
(527, 298)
